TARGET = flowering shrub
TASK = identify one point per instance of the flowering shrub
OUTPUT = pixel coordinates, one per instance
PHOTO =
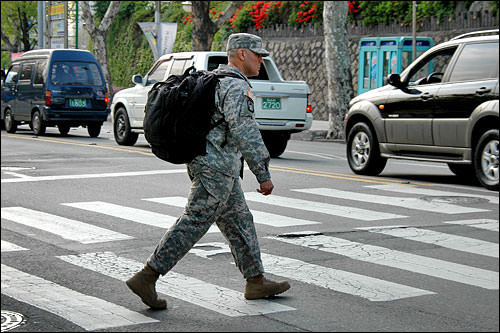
(308, 12)
(188, 18)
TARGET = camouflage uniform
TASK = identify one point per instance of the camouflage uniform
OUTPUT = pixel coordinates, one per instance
(216, 194)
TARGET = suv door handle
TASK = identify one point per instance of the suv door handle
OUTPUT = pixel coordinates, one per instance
(482, 91)
(426, 96)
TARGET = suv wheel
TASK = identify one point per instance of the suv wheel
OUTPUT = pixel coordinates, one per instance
(10, 123)
(275, 143)
(63, 129)
(37, 124)
(121, 129)
(461, 170)
(94, 130)
(362, 150)
(486, 160)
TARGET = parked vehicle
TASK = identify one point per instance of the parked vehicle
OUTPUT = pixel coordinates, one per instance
(281, 107)
(442, 108)
(55, 87)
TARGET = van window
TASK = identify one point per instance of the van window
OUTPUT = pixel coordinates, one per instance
(76, 73)
(12, 75)
(476, 62)
(27, 72)
(40, 70)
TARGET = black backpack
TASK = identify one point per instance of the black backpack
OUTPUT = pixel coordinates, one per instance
(178, 115)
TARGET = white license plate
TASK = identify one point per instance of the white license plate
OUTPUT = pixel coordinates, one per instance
(78, 102)
(271, 103)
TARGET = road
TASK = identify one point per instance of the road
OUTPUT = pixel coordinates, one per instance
(415, 249)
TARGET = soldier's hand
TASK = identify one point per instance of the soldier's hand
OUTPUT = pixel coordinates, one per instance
(266, 187)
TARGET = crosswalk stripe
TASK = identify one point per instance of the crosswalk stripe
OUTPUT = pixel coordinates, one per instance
(345, 282)
(86, 311)
(454, 242)
(265, 218)
(8, 247)
(61, 226)
(320, 207)
(212, 297)
(430, 192)
(129, 213)
(409, 203)
(478, 223)
(397, 259)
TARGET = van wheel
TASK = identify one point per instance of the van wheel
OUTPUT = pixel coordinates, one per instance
(10, 123)
(486, 160)
(94, 130)
(121, 129)
(37, 123)
(63, 129)
(363, 154)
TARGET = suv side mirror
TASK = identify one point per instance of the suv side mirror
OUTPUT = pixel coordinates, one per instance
(137, 79)
(395, 80)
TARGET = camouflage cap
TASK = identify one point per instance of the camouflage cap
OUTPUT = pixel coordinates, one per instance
(246, 41)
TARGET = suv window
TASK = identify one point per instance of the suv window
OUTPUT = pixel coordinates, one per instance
(178, 67)
(158, 73)
(435, 64)
(476, 62)
(75, 73)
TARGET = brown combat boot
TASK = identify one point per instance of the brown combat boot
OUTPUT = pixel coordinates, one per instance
(260, 287)
(143, 285)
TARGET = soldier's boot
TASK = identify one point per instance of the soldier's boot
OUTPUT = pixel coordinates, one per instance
(260, 287)
(143, 285)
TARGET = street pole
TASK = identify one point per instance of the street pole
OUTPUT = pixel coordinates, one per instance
(65, 24)
(41, 23)
(76, 26)
(157, 24)
(414, 30)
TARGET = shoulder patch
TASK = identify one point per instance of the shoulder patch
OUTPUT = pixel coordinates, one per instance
(251, 95)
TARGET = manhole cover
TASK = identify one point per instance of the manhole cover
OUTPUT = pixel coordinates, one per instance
(11, 320)
(454, 199)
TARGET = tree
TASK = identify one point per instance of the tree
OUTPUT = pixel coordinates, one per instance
(18, 19)
(338, 65)
(204, 28)
(98, 35)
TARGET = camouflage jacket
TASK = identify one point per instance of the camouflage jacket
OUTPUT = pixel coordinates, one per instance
(238, 135)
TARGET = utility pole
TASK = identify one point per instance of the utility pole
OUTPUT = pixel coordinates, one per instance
(414, 30)
(157, 28)
(41, 24)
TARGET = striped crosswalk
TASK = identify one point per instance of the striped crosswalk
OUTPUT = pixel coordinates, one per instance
(276, 212)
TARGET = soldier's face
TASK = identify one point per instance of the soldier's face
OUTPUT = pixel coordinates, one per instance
(252, 63)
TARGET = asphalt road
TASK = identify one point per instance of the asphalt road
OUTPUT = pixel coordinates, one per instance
(415, 249)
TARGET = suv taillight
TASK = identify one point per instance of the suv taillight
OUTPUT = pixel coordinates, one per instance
(48, 100)
(309, 108)
(106, 98)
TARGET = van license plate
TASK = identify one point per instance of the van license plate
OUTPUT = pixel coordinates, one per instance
(77, 102)
(271, 103)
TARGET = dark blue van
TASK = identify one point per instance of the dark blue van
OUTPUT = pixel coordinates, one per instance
(55, 87)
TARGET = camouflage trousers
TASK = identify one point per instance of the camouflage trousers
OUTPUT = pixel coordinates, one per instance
(214, 197)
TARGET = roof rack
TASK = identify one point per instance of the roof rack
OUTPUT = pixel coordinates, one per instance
(474, 33)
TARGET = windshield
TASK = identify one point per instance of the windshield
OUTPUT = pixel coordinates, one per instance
(76, 73)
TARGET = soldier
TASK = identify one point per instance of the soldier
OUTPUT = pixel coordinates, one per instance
(216, 194)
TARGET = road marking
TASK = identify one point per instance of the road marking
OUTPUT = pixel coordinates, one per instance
(209, 296)
(9, 247)
(131, 214)
(320, 207)
(66, 228)
(454, 242)
(410, 203)
(86, 311)
(430, 192)
(478, 223)
(397, 259)
(270, 219)
(92, 175)
(345, 282)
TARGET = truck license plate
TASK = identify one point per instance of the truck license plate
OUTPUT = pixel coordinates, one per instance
(77, 102)
(271, 103)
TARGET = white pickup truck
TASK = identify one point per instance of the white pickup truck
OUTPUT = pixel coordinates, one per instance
(281, 107)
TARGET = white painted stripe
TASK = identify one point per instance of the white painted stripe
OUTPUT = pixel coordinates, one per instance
(320, 207)
(66, 228)
(88, 312)
(92, 175)
(130, 214)
(430, 192)
(454, 242)
(478, 223)
(270, 219)
(397, 259)
(212, 297)
(409, 203)
(345, 282)
(8, 247)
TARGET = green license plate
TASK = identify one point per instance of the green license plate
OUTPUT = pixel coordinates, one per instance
(77, 102)
(271, 103)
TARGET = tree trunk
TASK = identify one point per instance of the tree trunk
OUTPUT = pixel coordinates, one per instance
(98, 35)
(338, 65)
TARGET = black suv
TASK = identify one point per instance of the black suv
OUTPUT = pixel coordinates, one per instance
(442, 108)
